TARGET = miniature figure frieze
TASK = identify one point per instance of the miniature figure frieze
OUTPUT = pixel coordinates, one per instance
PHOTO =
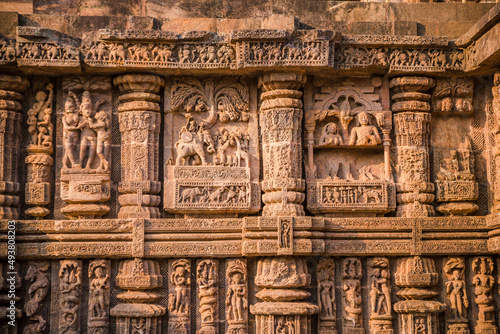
(236, 297)
(47, 54)
(40, 149)
(380, 296)
(37, 279)
(208, 292)
(456, 292)
(99, 292)
(483, 282)
(8, 51)
(86, 125)
(453, 95)
(400, 59)
(70, 294)
(209, 166)
(325, 274)
(203, 54)
(456, 188)
(348, 148)
(179, 302)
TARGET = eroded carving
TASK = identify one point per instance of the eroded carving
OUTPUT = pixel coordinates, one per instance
(236, 297)
(99, 291)
(325, 274)
(483, 282)
(206, 277)
(70, 287)
(39, 284)
(179, 300)
(352, 300)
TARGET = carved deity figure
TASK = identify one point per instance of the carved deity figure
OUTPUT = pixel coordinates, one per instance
(181, 280)
(206, 276)
(236, 297)
(101, 127)
(380, 293)
(137, 326)
(352, 290)
(88, 136)
(456, 289)
(326, 288)
(39, 121)
(364, 134)
(330, 136)
(71, 134)
(483, 282)
(99, 287)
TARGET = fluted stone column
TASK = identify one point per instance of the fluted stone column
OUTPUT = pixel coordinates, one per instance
(140, 128)
(412, 121)
(12, 88)
(280, 121)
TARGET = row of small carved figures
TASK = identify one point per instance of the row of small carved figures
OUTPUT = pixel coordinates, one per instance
(281, 51)
(187, 53)
(400, 57)
(45, 51)
(214, 195)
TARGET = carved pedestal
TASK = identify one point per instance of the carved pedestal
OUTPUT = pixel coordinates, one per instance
(281, 130)
(138, 312)
(412, 130)
(140, 128)
(282, 309)
(11, 89)
(416, 314)
(86, 125)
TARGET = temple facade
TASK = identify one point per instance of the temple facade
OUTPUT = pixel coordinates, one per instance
(267, 167)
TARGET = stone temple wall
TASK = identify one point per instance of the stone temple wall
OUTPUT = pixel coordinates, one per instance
(196, 167)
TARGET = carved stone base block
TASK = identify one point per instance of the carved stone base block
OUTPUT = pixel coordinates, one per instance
(351, 330)
(486, 328)
(458, 329)
(327, 327)
(381, 326)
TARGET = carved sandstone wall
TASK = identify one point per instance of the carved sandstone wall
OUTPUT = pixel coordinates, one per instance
(268, 175)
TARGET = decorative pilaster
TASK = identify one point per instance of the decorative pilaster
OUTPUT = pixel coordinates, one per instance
(208, 296)
(179, 302)
(280, 118)
(412, 120)
(11, 89)
(40, 149)
(495, 131)
(99, 291)
(283, 309)
(140, 128)
(138, 312)
(416, 313)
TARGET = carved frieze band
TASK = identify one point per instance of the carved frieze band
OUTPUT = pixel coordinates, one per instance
(241, 49)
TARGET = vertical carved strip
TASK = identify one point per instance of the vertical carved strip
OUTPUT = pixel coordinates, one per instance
(412, 129)
(99, 284)
(456, 293)
(140, 128)
(351, 296)
(138, 311)
(70, 292)
(40, 148)
(380, 296)
(416, 314)
(179, 298)
(483, 282)
(86, 127)
(11, 89)
(280, 120)
(208, 295)
(325, 274)
(38, 283)
(495, 129)
(283, 309)
(236, 296)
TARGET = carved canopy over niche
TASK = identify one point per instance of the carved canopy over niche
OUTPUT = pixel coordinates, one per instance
(347, 138)
(211, 147)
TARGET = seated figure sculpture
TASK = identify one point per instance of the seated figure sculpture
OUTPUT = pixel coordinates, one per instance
(330, 136)
(365, 133)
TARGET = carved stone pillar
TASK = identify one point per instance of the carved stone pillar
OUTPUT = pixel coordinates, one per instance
(140, 128)
(280, 118)
(138, 312)
(282, 309)
(416, 313)
(11, 89)
(412, 120)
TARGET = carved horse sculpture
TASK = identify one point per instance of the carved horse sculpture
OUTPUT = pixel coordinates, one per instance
(192, 145)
